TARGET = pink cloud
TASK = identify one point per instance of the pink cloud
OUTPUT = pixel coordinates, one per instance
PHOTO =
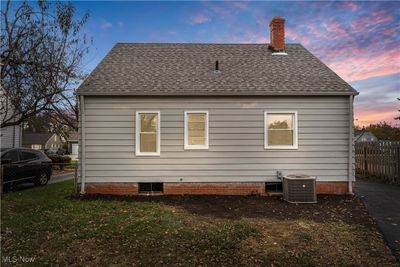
(390, 31)
(367, 116)
(366, 24)
(263, 22)
(106, 25)
(349, 5)
(239, 5)
(336, 28)
(379, 17)
(247, 37)
(352, 54)
(360, 63)
(360, 25)
(199, 19)
(296, 37)
(221, 10)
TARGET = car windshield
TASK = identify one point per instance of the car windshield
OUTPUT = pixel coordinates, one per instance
(3, 150)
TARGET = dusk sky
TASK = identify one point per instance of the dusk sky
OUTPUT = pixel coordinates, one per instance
(359, 40)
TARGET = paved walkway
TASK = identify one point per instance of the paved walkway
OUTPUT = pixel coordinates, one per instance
(383, 203)
(61, 177)
(54, 179)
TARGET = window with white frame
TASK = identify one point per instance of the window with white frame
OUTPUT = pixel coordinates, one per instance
(36, 146)
(148, 133)
(196, 129)
(280, 130)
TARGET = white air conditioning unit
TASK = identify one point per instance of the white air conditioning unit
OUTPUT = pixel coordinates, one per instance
(299, 189)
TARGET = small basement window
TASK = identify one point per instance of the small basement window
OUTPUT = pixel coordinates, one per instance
(273, 187)
(151, 187)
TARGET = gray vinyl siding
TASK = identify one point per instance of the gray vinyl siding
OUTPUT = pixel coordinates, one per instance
(236, 140)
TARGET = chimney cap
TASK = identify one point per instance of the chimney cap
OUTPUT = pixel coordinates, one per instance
(277, 19)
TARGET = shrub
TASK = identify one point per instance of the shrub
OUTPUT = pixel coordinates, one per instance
(61, 160)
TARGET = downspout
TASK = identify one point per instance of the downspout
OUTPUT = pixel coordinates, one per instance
(351, 126)
(83, 145)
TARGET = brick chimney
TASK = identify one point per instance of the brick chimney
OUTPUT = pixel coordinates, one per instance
(277, 34)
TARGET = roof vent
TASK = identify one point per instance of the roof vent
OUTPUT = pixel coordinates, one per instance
(217, 67)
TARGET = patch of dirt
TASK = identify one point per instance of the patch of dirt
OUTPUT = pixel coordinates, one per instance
(347, 208)
(334, 231)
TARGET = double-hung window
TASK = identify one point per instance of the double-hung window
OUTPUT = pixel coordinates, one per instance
(280, 130)
(196, 130)
(148, 133)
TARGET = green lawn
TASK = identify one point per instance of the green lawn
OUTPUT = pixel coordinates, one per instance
(47, 224)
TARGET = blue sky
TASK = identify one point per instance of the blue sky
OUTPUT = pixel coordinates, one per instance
(358, 40)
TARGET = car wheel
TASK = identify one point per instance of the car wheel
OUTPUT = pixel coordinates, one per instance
(42, 178)
(6, 187)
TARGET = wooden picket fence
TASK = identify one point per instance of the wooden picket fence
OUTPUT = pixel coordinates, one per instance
(379, 160)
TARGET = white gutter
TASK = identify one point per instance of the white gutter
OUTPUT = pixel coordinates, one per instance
(83, 145)
(351, 125)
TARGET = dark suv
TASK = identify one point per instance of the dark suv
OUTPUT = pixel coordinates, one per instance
(21, 165)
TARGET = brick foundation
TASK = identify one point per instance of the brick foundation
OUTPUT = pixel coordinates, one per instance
(214, 188)
(256, 188)
(112, 188)
(333, 188)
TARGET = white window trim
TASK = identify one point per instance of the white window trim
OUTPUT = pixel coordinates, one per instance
(186, 143)
(137, 136)
(295, 130)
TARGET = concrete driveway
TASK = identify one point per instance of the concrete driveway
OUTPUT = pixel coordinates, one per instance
(61, 177)
(54, 179)
(383, 203)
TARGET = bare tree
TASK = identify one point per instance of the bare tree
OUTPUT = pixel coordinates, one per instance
(398, 118)
(65, 110)
(41, 51)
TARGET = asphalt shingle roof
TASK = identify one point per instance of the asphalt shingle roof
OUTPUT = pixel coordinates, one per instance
(144, 69)
(35, 138)
(73, 136)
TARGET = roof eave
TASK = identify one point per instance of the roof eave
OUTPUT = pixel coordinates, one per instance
(354, 93)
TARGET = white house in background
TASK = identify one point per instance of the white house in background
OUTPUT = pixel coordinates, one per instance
(10, 136)
(41, 141)
(214, 119)
(365, 136)
(72, 144)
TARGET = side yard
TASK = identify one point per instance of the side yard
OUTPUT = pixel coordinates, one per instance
(50, 226)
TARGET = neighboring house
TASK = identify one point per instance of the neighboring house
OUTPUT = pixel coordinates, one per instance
(41, 141)
(364, 136)
(72, 143)
(10, 136)
(214, 119)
